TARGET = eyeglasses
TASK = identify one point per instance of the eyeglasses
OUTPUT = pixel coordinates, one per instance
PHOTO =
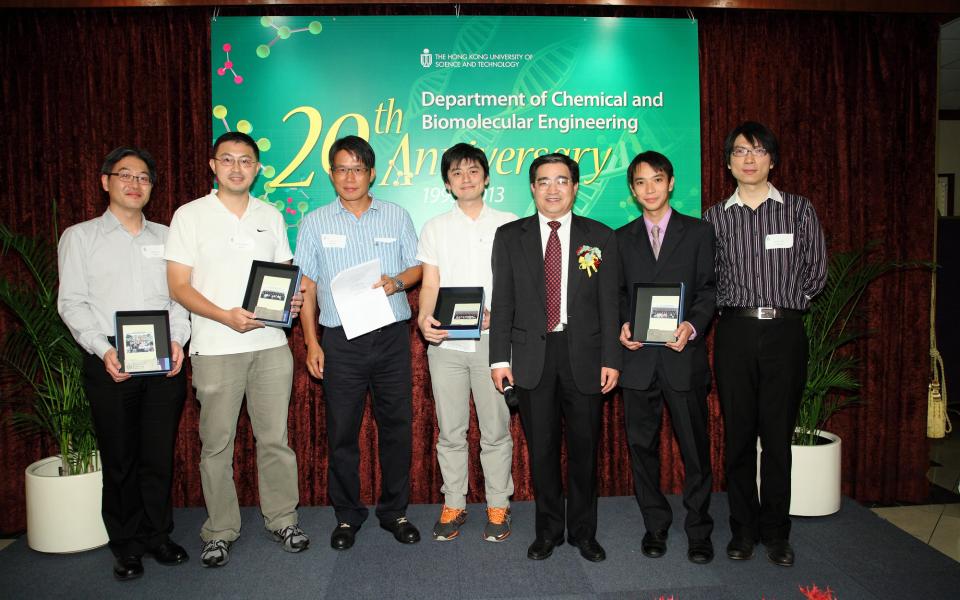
(741, 151)
(228, 161)
(544, 182)
(128, 177)
(355, 171)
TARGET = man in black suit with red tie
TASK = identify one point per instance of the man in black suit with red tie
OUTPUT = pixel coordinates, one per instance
(553, 334)
(664, 246)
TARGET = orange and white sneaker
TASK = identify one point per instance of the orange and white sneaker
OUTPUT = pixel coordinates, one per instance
(448, 527)
(498, 524)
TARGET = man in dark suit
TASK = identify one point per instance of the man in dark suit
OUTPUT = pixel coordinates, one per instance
(553, 334)
(665, 246)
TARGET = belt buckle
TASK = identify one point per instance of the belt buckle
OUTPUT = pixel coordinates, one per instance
(766, 312)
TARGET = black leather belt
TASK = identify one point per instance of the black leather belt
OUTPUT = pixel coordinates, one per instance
(761, 312)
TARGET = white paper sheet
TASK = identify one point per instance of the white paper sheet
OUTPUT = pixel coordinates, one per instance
(361, 307)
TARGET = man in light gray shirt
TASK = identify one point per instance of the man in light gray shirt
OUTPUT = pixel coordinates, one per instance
(115, 263)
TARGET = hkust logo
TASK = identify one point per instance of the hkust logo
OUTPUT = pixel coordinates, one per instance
(426, 59)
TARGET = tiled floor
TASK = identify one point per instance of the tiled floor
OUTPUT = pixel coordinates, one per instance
(937, 525)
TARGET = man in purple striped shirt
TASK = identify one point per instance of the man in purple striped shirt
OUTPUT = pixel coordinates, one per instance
(771, 260)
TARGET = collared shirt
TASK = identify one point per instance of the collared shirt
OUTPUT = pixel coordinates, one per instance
(332, 239)
(662, 225)
(220, 248)
(105, 269)
(460, 247)
(772, 256)
(564, 234)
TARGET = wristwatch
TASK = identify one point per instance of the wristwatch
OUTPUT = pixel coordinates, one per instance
(398, 283)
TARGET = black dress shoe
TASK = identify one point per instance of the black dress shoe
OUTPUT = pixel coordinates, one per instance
(127, 567)
(780, 553)
(542, 548)
(740, 548)
(654, 543)
(343, 536)
(170, 553)
(700, 551)
(590, 549)
(403, 530)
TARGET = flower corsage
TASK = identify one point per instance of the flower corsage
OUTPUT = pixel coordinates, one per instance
(589, 258)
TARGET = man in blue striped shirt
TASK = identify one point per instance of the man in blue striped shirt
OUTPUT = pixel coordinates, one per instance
(771, 260)
(354, 229)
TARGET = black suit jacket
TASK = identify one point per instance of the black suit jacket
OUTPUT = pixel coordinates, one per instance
(686, 255)
(518, 318)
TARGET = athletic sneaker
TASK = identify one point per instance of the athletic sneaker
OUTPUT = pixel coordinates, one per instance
(292, 537)
(498, 524)
(215, 553)
(448, 527)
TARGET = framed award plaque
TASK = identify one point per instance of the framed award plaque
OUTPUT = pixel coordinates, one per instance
(143, 341)
(657, 312)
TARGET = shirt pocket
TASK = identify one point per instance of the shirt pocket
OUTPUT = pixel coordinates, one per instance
(388, 251)
(154, 272)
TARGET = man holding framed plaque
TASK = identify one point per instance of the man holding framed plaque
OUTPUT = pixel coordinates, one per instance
(213, 243)
(109, 265)
(354, 231)
(668, 287)
(553, 334)
(771, 260)
(455, 251)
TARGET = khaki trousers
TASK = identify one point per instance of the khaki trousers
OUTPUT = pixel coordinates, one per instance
(265, 376)
(454, 374)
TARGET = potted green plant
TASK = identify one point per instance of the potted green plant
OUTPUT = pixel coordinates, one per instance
(832, 323)
(42, 377)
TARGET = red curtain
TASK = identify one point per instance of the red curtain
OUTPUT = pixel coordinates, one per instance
(852, 97)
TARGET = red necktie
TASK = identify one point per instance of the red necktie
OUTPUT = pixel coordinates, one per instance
(552, 264)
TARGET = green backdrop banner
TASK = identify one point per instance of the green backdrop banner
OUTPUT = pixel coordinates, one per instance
(600, 90)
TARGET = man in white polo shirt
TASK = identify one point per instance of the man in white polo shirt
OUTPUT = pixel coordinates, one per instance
(455, 251)
(213, 241)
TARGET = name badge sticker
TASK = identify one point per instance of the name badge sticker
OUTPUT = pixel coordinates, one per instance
(241, 242)
(384, 240)
(152, 251)
(778, 240)
(333, 240)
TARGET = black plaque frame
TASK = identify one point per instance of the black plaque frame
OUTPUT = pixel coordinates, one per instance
(260, 269)
(643, 294)
(447, 299)
(160, 321)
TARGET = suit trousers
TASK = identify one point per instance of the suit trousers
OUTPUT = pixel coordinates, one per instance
(454, 374)
(643, 411)
(761, 368)
(378, 361)
(136, 423)
(543, 410)
(265, 377)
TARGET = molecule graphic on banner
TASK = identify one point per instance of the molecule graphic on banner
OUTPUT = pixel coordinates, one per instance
(284, 32)
(228, 66)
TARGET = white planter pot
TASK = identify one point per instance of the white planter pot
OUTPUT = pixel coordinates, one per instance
(815, 479)
(63, 513)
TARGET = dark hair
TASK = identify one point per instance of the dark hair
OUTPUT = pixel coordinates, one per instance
(118, 154)
(240, 138)
(358, 147)
(458, 153)
(555, 158)
(758, 135)
(657, 162)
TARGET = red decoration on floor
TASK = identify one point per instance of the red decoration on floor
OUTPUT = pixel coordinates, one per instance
(815, 593)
